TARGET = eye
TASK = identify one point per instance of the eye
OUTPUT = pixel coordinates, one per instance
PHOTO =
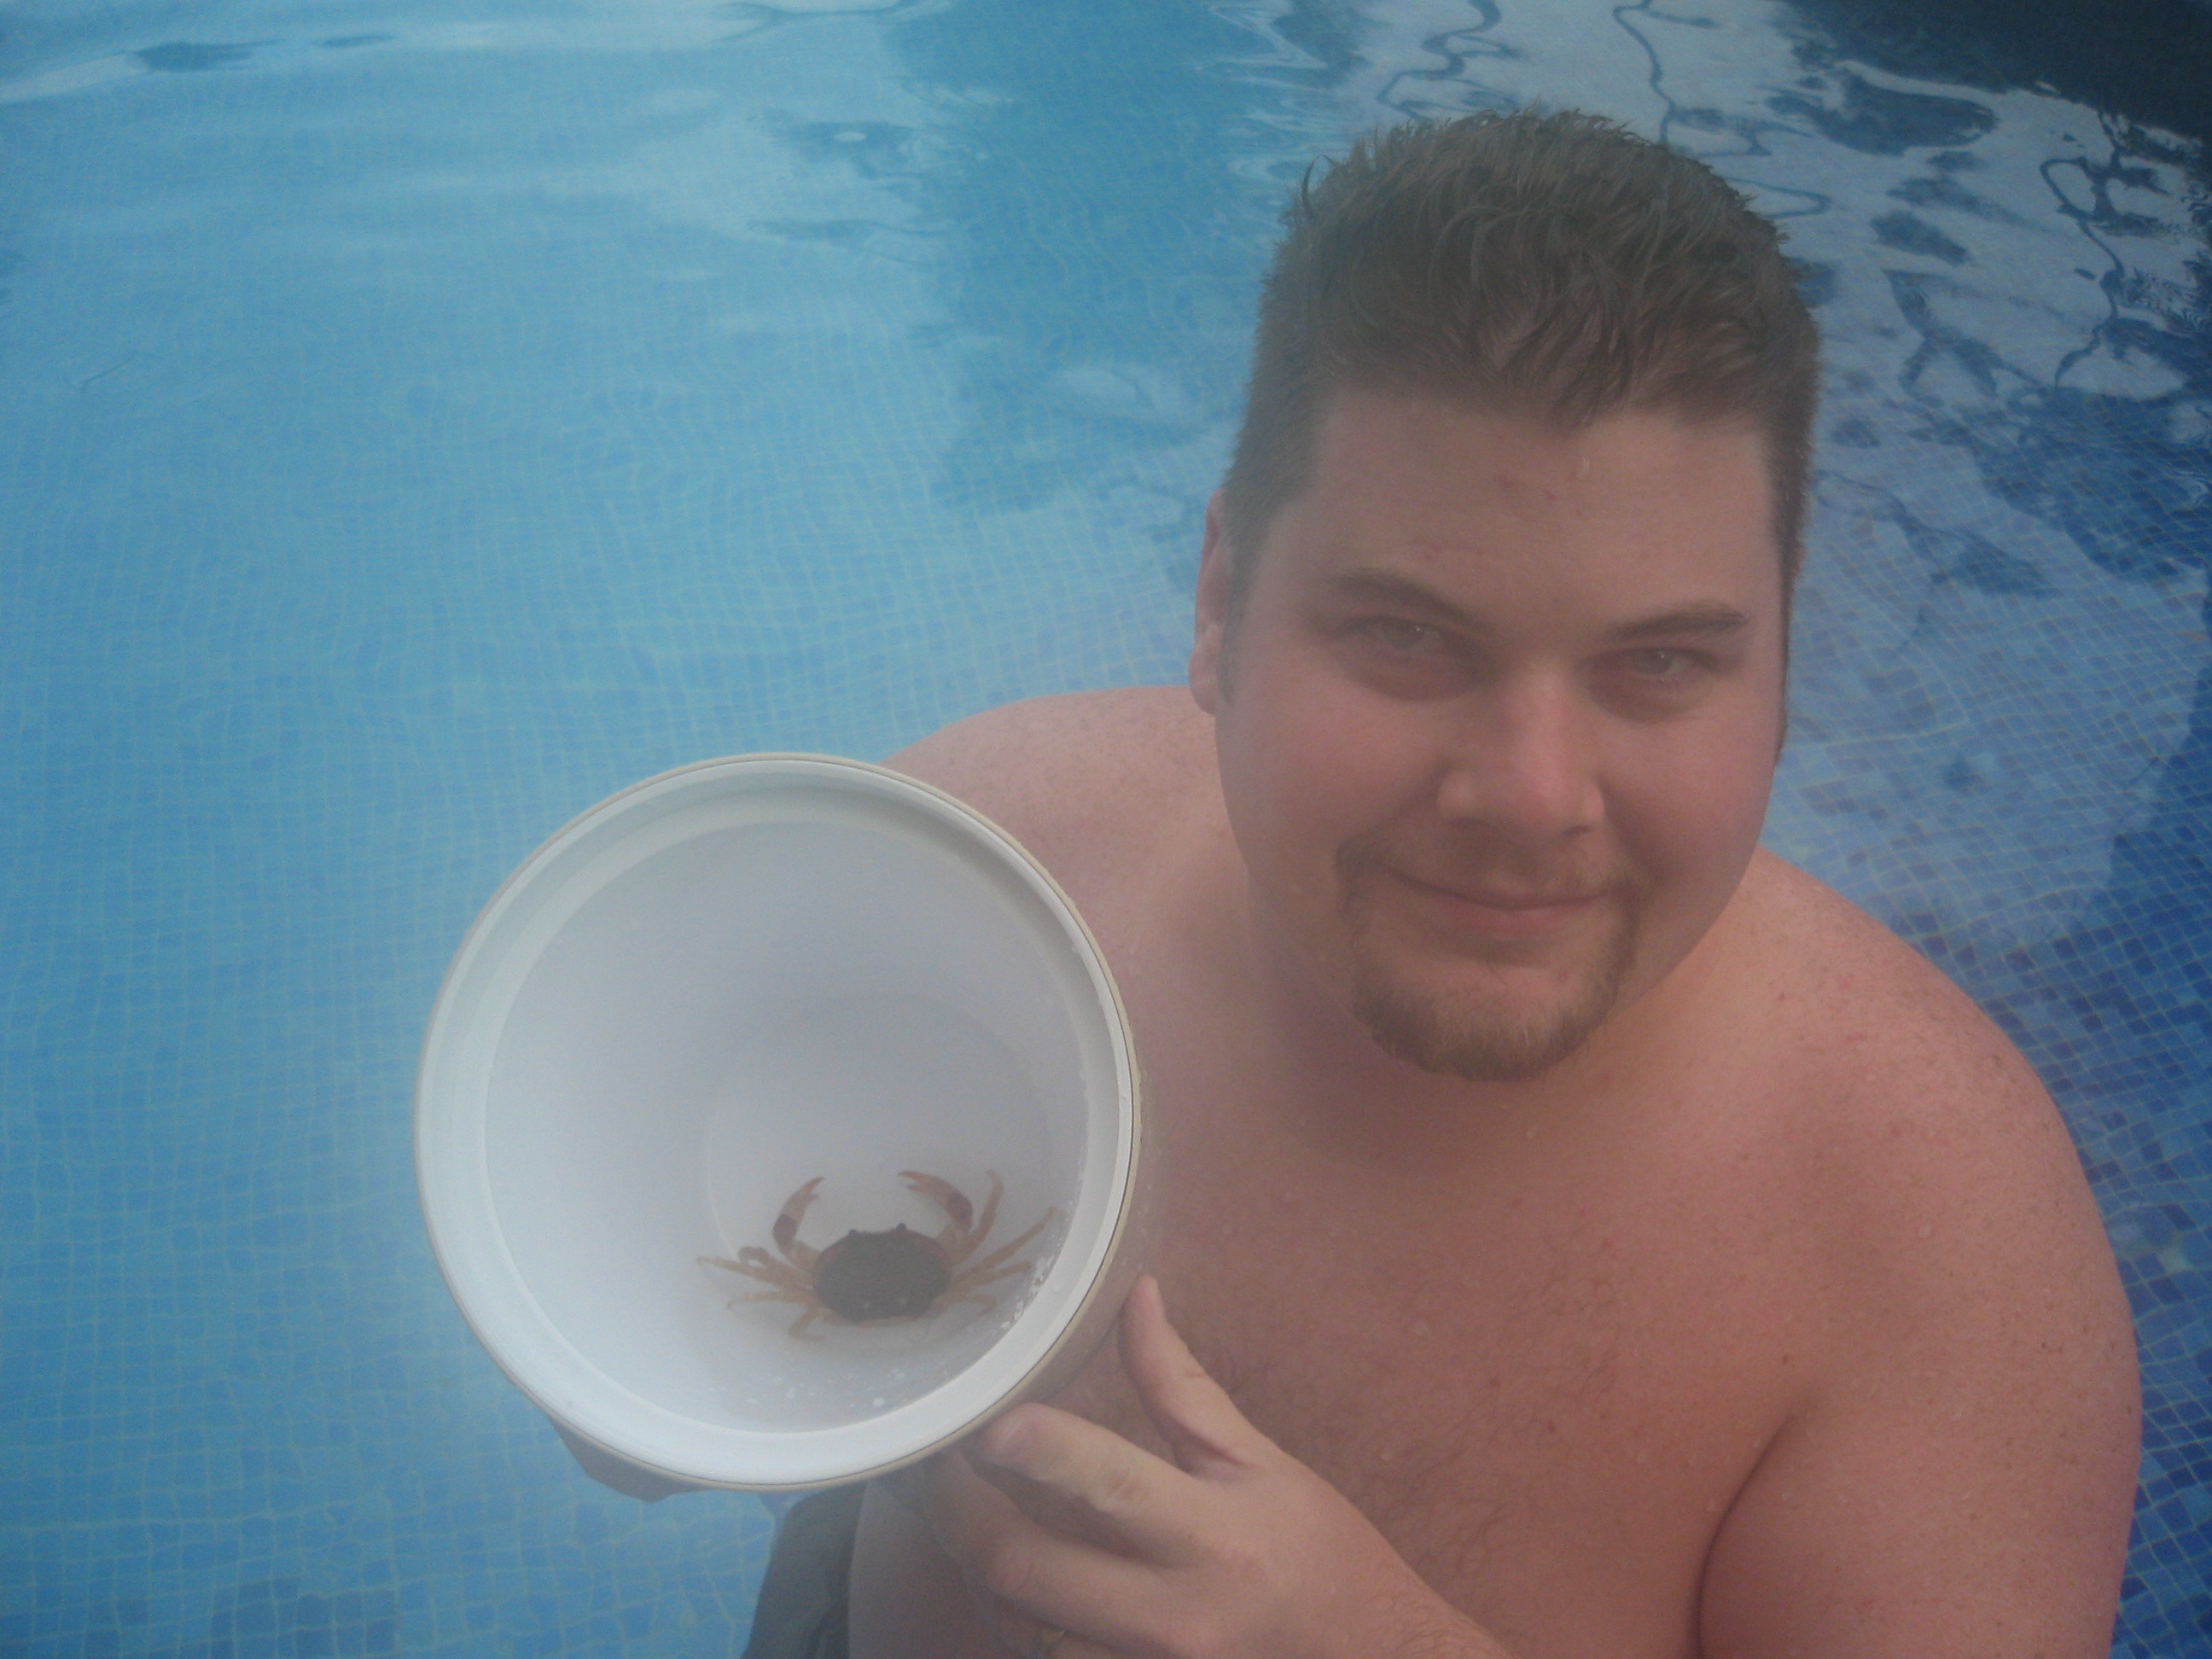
(1401, 638)
(1660, 664)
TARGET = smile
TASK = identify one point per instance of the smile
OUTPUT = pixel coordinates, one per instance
(1500, 915)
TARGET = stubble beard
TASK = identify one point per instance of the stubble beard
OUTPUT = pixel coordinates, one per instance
(1464, 1034)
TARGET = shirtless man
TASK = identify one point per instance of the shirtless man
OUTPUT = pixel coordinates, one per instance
(1595, 1237)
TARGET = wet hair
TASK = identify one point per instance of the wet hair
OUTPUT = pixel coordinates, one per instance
(1548, 265)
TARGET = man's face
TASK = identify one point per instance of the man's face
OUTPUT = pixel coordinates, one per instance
(1499, 716)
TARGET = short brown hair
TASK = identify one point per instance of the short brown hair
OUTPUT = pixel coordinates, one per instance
(1552, 265)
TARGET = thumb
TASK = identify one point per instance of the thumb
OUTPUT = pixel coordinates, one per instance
(1194, 1414)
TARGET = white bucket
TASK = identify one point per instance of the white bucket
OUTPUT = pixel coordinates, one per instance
(705, 992)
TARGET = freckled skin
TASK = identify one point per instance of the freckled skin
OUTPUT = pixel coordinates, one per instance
(1772, 1317)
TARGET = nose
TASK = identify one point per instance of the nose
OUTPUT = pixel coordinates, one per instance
(1523, 763)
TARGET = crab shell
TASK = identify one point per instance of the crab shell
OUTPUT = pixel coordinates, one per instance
(899, 1274)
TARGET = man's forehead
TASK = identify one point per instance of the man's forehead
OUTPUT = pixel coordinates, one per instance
(1437, 491)
(1525, 459)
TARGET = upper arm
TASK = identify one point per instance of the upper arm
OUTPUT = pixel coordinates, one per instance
(1960, 1482)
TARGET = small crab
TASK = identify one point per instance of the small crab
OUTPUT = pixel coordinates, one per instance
(875, 1278)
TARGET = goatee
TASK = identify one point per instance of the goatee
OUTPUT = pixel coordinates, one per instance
(1462, 1033)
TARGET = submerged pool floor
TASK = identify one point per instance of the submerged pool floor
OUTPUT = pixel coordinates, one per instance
(417, 421)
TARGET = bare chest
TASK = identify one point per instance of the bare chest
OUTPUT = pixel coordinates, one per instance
(1544, 1382)
(1544, 1388)
(1548, 1421)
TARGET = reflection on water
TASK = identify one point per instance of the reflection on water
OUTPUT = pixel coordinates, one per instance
(420, 422)
(1094, 260)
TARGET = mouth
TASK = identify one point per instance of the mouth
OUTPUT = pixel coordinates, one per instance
(1499, 912)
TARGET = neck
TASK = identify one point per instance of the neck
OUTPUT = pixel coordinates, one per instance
(1340, 1090)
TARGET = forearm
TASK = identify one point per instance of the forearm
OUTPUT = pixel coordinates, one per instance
(907, 1598)
(1424, 1626)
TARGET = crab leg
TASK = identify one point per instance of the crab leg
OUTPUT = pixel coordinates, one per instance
(948, 1199)
(963, 1283)
(785, 1232)
(964, 1289)
(755, 1263)
(791, 1289)
(990, 1210)
(966, 1232)
(981, 1274)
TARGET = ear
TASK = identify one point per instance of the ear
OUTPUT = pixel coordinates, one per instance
(1212, 639)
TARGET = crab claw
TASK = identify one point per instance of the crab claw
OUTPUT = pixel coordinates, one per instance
(794, 1211)
(950, 1198)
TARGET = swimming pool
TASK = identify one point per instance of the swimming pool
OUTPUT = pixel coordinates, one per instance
(421, 420)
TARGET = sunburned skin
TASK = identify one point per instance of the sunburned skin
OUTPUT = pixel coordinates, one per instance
(1661, 1258)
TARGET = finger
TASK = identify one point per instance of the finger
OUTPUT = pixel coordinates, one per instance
(1070, 1474)
(1022, 1636)
(1026, 1578)
(1051, 1508)
(1193, 1413)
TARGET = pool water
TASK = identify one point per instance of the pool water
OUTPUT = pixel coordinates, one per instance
(419, 420)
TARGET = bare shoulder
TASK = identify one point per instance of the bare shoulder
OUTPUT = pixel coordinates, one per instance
(1959, 1474)
(1925, 1133)
(1898, 1062)
(1081, 777)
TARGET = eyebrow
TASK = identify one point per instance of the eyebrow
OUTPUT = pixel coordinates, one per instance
(1701, 621)
(1704, 619)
